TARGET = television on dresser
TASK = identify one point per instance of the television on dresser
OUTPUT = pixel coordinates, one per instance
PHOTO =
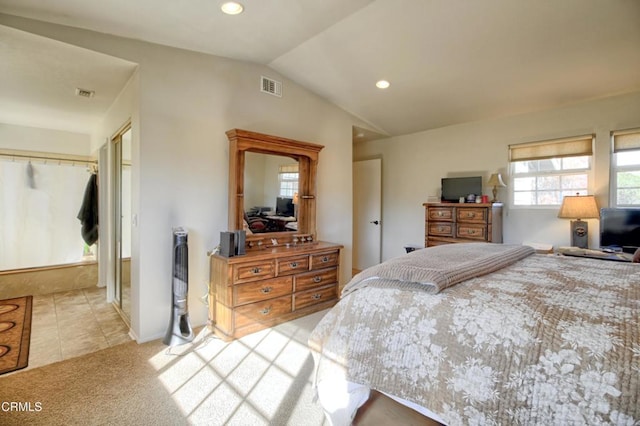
(455, 187)
(620, 229)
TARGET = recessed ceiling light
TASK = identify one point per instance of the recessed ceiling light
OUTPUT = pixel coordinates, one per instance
(382, 84)
(232, 8)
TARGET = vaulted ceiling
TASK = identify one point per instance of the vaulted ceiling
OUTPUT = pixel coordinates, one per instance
(448, 61)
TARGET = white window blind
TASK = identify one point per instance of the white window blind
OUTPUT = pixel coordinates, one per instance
(568, 147)
(288, 168)
(627, 140)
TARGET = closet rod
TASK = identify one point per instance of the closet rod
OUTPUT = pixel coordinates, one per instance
(46, 156)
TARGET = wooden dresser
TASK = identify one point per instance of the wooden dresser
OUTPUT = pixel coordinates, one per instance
(266, 287)
(447, 223)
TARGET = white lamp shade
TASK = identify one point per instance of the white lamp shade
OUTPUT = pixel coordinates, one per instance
(496, 180)
(579, 207)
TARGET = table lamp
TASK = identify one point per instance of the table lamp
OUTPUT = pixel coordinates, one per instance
(579, 207)
(496, 181)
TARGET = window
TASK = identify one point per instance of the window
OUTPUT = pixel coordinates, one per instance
(625, 169)
(288, 180)
(544, 172)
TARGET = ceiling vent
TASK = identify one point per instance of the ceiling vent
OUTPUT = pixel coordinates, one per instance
(85, 93)
(270, 86)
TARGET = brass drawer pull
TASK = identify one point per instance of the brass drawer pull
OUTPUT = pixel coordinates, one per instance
(325, 259)
(294, 264)
(256, 270)
(316, 296)
(441, 229)
(317, 279)
(440, 214)
(266, 311)
(470, 214)
(471, 231)
(266, 290)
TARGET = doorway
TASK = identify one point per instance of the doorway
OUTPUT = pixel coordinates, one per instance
(367, 213)
(122, 221)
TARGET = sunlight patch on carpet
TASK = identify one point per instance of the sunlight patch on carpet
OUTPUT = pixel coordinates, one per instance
(270, 391)
(251, 380)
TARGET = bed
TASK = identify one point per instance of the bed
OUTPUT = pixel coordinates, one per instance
(486, 334)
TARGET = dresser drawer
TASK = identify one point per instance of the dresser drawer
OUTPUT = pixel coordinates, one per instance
(262, 290)
(257, 290)
(471, 231)
(472, 214)
(313, 297)
(431, 243)
(440, 213)
(324, 260)
(293, 265)
(245, 272)
(441, 229)
(314, 279)
(262, 311)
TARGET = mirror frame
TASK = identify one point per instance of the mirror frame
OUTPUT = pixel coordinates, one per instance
(306, 153)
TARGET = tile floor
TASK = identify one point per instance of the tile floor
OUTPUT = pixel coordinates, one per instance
(73, 323)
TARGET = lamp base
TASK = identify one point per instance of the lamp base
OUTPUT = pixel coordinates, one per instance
(579, 233)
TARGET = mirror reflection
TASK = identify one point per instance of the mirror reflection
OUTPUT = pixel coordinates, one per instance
(122, 222)
(270, 193)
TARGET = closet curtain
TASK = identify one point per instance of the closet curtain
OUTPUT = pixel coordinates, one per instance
(38, 224)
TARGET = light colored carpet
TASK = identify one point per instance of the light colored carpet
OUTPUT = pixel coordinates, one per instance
(261, 379)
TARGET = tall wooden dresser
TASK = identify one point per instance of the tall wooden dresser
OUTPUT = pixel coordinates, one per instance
(269, 286)
(447, 223)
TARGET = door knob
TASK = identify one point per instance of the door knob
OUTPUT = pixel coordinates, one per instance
(375, 222)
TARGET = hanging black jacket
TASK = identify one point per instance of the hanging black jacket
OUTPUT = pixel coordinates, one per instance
(88, 214)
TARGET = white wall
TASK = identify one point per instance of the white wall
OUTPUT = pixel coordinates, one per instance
(413, 165)
(187, 101)
(123, 110)
(43, 140)
(254, 180)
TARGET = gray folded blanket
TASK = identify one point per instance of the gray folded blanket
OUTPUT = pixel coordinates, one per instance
(435, 268)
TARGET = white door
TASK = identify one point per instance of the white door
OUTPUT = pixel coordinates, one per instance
(367, 213)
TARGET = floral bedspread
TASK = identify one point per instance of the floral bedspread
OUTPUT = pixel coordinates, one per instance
(546, 340)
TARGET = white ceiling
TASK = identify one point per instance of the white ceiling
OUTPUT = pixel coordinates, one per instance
(448, 61)
(40, 77)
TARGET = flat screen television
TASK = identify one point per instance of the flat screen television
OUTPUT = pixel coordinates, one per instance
(454, 188)
(284, 206)
(620, 229)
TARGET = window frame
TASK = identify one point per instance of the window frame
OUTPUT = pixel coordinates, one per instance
(616, 148)
(577, 146)
(284, 170)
